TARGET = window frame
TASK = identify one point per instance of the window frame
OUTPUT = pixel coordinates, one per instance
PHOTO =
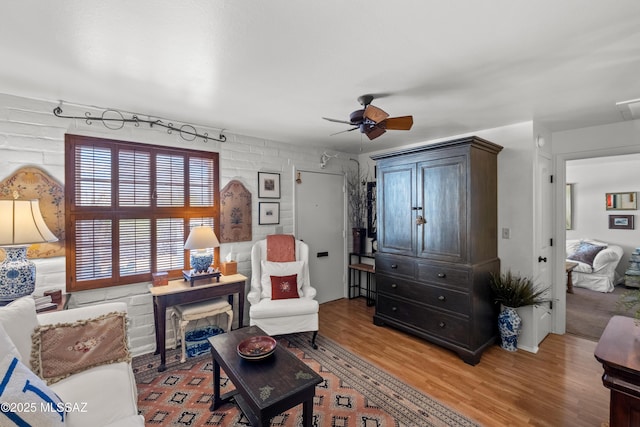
(114, 212)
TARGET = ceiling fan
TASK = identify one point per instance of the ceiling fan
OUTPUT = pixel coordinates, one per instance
(373, 121)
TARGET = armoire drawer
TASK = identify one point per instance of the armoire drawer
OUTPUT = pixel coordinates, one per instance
(433, 322)
(436, 296)
(393, 265)
(442, 274)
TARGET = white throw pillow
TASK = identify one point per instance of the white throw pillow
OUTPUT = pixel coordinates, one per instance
(6, 345)
(280, 269)
(26, 399)
(19, 321)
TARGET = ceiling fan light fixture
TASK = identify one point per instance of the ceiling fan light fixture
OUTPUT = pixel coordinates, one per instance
(373, 121)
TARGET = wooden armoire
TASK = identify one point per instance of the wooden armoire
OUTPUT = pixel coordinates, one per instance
(437, 208)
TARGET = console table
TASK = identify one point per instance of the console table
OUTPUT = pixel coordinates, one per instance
(617, 350)
(181, 292)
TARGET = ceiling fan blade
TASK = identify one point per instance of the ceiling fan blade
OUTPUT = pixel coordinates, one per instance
(338, 121)
(343, 131)
(398, 123)
(374, 131)
(375, 114)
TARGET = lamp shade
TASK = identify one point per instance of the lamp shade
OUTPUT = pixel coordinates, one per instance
(201, 237)
(21, 224)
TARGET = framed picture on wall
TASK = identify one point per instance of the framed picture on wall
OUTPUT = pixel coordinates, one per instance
(268, 213)
(621, 222)
(268, 185)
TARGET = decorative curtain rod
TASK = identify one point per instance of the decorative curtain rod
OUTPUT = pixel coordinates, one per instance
(187, 132)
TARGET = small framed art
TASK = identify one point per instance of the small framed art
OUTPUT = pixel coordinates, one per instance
(621, 222)
(268, 185)
(269, 213)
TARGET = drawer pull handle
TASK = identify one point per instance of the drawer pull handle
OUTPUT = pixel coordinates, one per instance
(442, 275)
(394, 266)
(394, 308)
(442, 298)
(442, 324)
(393, 285)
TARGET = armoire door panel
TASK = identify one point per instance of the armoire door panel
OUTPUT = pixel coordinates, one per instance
(396, 197)
(443, 199)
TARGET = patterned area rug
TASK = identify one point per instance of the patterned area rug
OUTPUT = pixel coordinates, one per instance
(353, 393)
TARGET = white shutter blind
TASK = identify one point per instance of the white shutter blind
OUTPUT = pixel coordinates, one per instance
(200, 181)
(134, 178)
(93, 249)
(135, 246)
(93, 176)
(170, 243)
(170, 180)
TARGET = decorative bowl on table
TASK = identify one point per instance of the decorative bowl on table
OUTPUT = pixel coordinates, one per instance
(257, 348)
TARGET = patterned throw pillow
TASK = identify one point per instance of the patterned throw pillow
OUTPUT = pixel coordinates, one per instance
(67, 348)
(284, 287)
(586, 253)
(279, 269)
(26, 399)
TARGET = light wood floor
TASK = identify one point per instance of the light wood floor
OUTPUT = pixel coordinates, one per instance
(561, 385)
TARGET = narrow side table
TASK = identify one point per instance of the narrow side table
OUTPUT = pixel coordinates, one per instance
(568, 267)
(354, 271)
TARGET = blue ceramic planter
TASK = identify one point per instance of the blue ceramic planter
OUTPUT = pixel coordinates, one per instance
(509, 325)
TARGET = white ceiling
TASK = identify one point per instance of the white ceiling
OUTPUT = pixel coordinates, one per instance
(273, 68)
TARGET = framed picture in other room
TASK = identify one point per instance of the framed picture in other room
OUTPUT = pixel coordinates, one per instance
(621, 222)
(268, 213)
(268, 185)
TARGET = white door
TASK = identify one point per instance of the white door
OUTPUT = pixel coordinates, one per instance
(543, 264)
(320, 219)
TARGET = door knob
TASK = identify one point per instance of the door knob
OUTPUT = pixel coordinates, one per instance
(541, 259)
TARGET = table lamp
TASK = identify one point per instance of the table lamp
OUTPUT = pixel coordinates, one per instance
(201, 238)
(21, 225)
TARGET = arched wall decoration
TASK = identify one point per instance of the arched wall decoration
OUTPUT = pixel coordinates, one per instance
(235, 213)
(34, 183)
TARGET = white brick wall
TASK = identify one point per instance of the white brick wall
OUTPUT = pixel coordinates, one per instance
(30, 135)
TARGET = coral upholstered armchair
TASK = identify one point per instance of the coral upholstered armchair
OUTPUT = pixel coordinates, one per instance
(281, 296)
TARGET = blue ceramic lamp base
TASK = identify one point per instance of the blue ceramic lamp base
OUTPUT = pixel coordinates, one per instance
(17, 274)
(201, 262)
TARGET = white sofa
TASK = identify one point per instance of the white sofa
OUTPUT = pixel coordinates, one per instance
(104, 395)
(601, 276)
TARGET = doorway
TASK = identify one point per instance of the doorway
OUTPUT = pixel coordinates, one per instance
(320, 222)
(589, 307)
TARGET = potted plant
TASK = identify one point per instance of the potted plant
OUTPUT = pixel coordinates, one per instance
(513, 291)
(357, 200)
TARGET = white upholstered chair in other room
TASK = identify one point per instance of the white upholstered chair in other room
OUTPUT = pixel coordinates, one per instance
(282, 316)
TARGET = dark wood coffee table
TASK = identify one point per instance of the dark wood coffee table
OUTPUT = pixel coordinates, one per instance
(264, 388)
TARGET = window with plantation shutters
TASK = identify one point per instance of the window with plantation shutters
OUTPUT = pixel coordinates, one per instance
(130, 207)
